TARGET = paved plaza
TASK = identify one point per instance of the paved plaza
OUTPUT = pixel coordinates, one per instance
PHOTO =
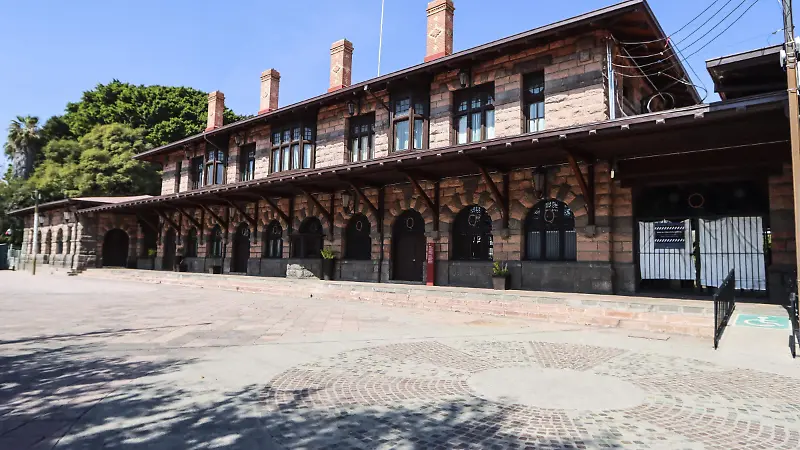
(88, 363)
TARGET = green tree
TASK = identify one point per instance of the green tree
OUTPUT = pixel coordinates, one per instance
(22, 144)
(166, 113)
(99, 164)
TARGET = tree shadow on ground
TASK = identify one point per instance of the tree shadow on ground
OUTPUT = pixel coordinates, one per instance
(74, 398)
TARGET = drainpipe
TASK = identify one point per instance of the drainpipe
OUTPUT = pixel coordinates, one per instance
(612, 95)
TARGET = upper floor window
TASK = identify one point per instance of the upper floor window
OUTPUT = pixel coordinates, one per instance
(178, 169)
(247, 162)
(474, 114)
(197, 172)
(533, 98)
(293, 148)
(362, 138)
(410, 122)
(215, 166)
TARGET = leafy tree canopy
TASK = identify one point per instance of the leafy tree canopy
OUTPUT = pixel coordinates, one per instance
(166, 113)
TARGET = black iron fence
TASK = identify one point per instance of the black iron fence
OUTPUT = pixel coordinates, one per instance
(724, 304)
(695, 254)
(793, 308)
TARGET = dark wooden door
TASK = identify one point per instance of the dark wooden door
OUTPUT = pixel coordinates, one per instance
(115, 249)
(168, 262)
(408, 249)
(241, 249)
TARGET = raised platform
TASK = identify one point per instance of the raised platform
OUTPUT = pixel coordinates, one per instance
(638, 314)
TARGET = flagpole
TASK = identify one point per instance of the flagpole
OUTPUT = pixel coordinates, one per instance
(380, 39)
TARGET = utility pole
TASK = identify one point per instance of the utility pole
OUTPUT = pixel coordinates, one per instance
(35, 228)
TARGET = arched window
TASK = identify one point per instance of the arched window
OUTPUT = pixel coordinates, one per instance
(273, 240)
(550, 232)
(308, 242)
(215, 242)
(191, 243)
(48, 244)
(472, 235)
(38, 242)
(60, 242)
(358, 244)
(69, 240)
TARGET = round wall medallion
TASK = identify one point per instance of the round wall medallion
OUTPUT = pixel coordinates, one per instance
(410, 223)
(696, 200)
(549, 215)
(359, 226)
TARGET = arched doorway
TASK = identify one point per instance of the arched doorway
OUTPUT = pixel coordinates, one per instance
(308, 242)
(472, 235)
(241, 249)
(115, 248)
(358, 243)
(408, 246)
(168, 263)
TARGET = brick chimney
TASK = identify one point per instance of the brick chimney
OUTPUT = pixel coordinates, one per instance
(341, 65)
(216, 107)
(270, 82)
(439, 41)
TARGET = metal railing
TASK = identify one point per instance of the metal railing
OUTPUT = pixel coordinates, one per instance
(793, 308)
(724, 304)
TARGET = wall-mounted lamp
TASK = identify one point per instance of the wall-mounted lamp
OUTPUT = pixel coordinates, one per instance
(347, 197)
(68, 215)
(539, 181)
(614, 169)
(351, 108)
(187, 152)
(463, 78)
(238, 138)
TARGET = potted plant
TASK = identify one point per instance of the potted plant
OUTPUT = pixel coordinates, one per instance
(328, 259)
(500, 276)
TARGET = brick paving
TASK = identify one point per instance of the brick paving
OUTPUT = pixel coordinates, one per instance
(88, 363)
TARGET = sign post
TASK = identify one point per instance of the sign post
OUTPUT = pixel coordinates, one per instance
(430, 263)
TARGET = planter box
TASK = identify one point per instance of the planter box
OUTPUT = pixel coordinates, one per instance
(328, 266)
(500, 283)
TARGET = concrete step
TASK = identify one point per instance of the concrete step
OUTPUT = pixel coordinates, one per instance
(638, 314)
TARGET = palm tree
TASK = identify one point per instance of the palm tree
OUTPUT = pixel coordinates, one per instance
(24, 137)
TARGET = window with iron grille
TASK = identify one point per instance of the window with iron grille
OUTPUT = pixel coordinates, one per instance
(358, 243)
(197, 172)
(307, 243)
(215, 242)
(362, 138)
(550, 232)
(247, 162)
(533, 98)
(215, 166)
(473, 116)
(273, 240)
(410, 122)
(191, 243)
(293, 148)
(472, 235)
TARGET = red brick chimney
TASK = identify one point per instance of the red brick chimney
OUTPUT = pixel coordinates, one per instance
(216, 107)
(439, 41)
(341, 65)
(270, 83)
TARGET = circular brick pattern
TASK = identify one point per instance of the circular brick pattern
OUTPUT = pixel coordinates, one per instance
(492, 394)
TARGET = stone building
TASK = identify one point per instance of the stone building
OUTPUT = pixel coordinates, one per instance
(552, 151)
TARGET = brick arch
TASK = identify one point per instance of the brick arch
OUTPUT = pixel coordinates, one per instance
(408, 199)
(268, 215)
(473, 191)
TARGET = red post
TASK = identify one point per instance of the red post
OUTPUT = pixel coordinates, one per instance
(431, 265)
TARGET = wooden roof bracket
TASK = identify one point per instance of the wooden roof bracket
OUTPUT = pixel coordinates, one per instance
(218, 219)
(147, 222)
(250, 220)
(432, 204)
(499, 198)
(169, 221)
(364, 198)
(274, 206)
(190, 218)
(325, 212)
(587, 189)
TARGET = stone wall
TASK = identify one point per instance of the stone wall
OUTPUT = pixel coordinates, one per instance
(781, 217)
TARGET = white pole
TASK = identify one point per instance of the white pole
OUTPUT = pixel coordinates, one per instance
(380, 39)
(35, 228)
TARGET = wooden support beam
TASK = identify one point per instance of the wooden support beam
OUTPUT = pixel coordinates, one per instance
(364, 199)
(586, 190)
(218, 219)
(499, 198)
(325, 212)
(169, 221)
(148, 223)
(190, 218)
(432, 204)
(250, 220)
(274, 206)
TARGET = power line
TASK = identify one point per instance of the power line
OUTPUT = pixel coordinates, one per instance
(679, 29)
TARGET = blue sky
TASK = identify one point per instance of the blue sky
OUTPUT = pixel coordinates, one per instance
(53, 51)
